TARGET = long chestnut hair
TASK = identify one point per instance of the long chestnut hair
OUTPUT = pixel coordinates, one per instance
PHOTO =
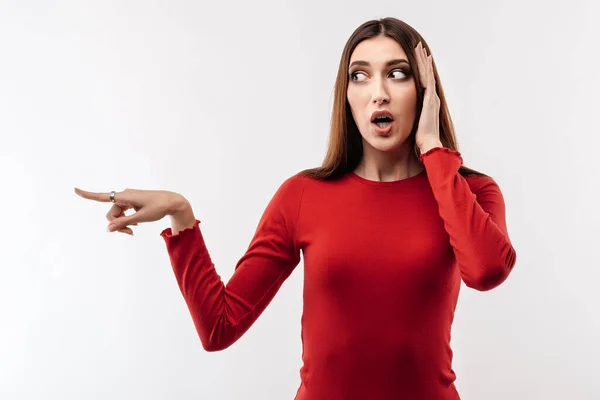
(345, 142)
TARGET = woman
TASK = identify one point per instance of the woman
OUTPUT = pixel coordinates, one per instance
(389, 226)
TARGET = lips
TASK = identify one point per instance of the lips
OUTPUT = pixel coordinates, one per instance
(381, 116)
(382, 122)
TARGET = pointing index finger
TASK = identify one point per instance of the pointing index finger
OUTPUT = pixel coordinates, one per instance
(101, 197)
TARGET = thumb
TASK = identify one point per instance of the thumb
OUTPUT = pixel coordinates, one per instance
(124, 221)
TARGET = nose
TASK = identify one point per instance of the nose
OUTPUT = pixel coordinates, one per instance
(380, 93)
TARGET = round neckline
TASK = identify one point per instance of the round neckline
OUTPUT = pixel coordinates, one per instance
(396, 183)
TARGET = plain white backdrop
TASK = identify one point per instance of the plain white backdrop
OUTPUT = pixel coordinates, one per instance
(221, 101)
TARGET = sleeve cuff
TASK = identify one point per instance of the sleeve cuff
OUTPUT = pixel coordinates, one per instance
(441, 163)
(167, 233)
(441, 152)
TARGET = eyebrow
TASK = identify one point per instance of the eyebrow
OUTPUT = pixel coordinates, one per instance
(387, 64)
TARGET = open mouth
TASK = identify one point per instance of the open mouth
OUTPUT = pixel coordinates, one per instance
(382, 118)
(382, 121)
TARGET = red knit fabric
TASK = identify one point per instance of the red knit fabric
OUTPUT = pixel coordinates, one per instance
(383, 262)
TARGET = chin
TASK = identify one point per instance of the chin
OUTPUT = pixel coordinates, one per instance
(384, 143)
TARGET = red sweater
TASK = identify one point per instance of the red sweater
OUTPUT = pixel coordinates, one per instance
(383, 263)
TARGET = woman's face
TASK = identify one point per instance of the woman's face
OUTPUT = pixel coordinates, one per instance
(381, 83)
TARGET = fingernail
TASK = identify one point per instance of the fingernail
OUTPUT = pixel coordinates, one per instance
(111, 228)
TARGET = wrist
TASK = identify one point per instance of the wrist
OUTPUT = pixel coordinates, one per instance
(425, 147)
(181, 214)
(177, 205)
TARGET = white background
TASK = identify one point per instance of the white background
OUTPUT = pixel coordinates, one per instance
(221, 102)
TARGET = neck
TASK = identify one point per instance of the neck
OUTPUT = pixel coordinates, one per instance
(388, 166)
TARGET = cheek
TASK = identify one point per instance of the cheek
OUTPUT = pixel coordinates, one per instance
(406, 106)
(352, 97)
(356, 99)
(407, 98)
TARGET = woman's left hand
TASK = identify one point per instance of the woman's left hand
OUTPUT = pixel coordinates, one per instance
(428, 130)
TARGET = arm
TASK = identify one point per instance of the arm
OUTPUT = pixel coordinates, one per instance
(475, 222)
(221, 312)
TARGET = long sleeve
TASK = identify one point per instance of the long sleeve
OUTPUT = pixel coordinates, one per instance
(221, 312)
(474, 218)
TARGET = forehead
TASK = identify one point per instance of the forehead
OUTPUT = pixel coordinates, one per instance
(378, 50)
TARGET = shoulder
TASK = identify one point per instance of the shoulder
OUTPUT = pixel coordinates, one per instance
(289, 192)
(299, 188)
(292, 185)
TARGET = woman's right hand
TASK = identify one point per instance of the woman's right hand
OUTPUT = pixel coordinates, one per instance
(149, 206)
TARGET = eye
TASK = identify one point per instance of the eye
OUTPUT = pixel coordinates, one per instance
(403, 73)
(355, 76)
